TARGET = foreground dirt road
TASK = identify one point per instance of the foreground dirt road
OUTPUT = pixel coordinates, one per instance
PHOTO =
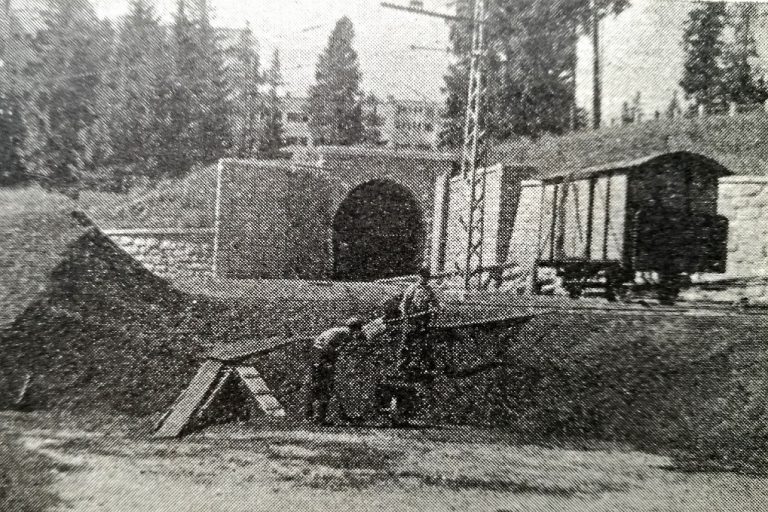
(242, 468)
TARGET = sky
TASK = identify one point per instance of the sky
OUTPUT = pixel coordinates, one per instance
(300, 30)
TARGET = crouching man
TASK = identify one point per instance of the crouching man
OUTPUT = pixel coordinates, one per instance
(322, 372)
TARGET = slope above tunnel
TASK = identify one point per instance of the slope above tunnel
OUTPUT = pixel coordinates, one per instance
(735, 142)
(188, 202)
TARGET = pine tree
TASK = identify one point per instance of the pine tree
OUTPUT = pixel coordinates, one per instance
(743, 84)
(335, 111)
(214, 130)
(703, 44)
(626, 114)
(272, 136)
(174, 99)
(12, 134)
(246, 80)
(194, 111)
(637, 108)
(133, 119)
(70, 49)
(674, 110)
(456, 80)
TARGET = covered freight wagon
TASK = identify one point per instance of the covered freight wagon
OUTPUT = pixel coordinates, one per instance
(601, 226)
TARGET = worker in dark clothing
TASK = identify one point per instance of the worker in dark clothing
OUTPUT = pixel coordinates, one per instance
(324, 353)
(417, 308)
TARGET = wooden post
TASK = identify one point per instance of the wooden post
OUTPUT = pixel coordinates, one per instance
(217, 219)
(597, 89)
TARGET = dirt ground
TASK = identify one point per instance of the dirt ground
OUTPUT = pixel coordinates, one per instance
(250, 468)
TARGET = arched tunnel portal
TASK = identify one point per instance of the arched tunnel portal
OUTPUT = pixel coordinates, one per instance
(378, 233)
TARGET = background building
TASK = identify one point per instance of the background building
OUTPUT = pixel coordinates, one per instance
(295, 121)
(412, 124)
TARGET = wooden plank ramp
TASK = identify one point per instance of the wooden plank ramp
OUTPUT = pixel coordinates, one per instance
(261, 392)
(190, 400)
(232, 352)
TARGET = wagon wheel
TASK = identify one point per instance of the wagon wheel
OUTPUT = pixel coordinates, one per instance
(614, 290)
(573, 281)
(574, 289)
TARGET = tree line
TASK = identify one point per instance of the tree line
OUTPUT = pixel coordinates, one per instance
(530, 66)
(718, 72)
(530, 63)
(88, 103)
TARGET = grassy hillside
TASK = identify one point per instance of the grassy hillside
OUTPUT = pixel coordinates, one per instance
(736, 142)
(188, 202)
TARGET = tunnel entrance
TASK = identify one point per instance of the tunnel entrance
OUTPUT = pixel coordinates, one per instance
(377, 233)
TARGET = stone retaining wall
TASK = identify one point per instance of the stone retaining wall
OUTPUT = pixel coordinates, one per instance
(744, 201)
(169, 253)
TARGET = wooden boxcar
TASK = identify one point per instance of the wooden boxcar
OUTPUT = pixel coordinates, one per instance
(657, 215)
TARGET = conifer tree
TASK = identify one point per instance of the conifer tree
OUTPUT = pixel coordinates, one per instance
(703, 44)
(529, 66)
(674, 109)
(12, 169)
(214, 132)
(63, 109)
(272, 137)
(245, 83)
(174, 99)
(372, 121)
(133, 118)
(626, 114)
(744, 85)
(192, 95)
(335, 112)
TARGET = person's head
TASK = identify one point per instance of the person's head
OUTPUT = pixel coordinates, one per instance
(390, 309)
(424, 275)
(355, 323)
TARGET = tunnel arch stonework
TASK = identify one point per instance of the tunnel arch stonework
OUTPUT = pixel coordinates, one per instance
(276, 219)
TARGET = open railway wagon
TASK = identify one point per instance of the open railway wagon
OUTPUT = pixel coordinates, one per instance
(609, 226)
(229, 385)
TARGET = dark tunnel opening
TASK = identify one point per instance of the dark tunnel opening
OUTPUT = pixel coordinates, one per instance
(377, 233)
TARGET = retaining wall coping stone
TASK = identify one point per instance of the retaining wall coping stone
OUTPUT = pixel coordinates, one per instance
(739, 180)
(159, 231)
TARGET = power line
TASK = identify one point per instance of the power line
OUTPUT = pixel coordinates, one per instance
(437, 49)
(433, 14)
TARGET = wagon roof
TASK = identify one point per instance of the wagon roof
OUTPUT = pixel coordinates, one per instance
(638, 164)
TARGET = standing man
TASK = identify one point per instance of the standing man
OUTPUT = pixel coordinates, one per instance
(324, 353)
(418, 307)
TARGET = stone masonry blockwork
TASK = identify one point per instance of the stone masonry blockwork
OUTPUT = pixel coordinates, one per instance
(169, 253)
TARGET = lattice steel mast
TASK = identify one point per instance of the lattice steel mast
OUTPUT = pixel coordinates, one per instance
(472, 219)
(470, 263)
